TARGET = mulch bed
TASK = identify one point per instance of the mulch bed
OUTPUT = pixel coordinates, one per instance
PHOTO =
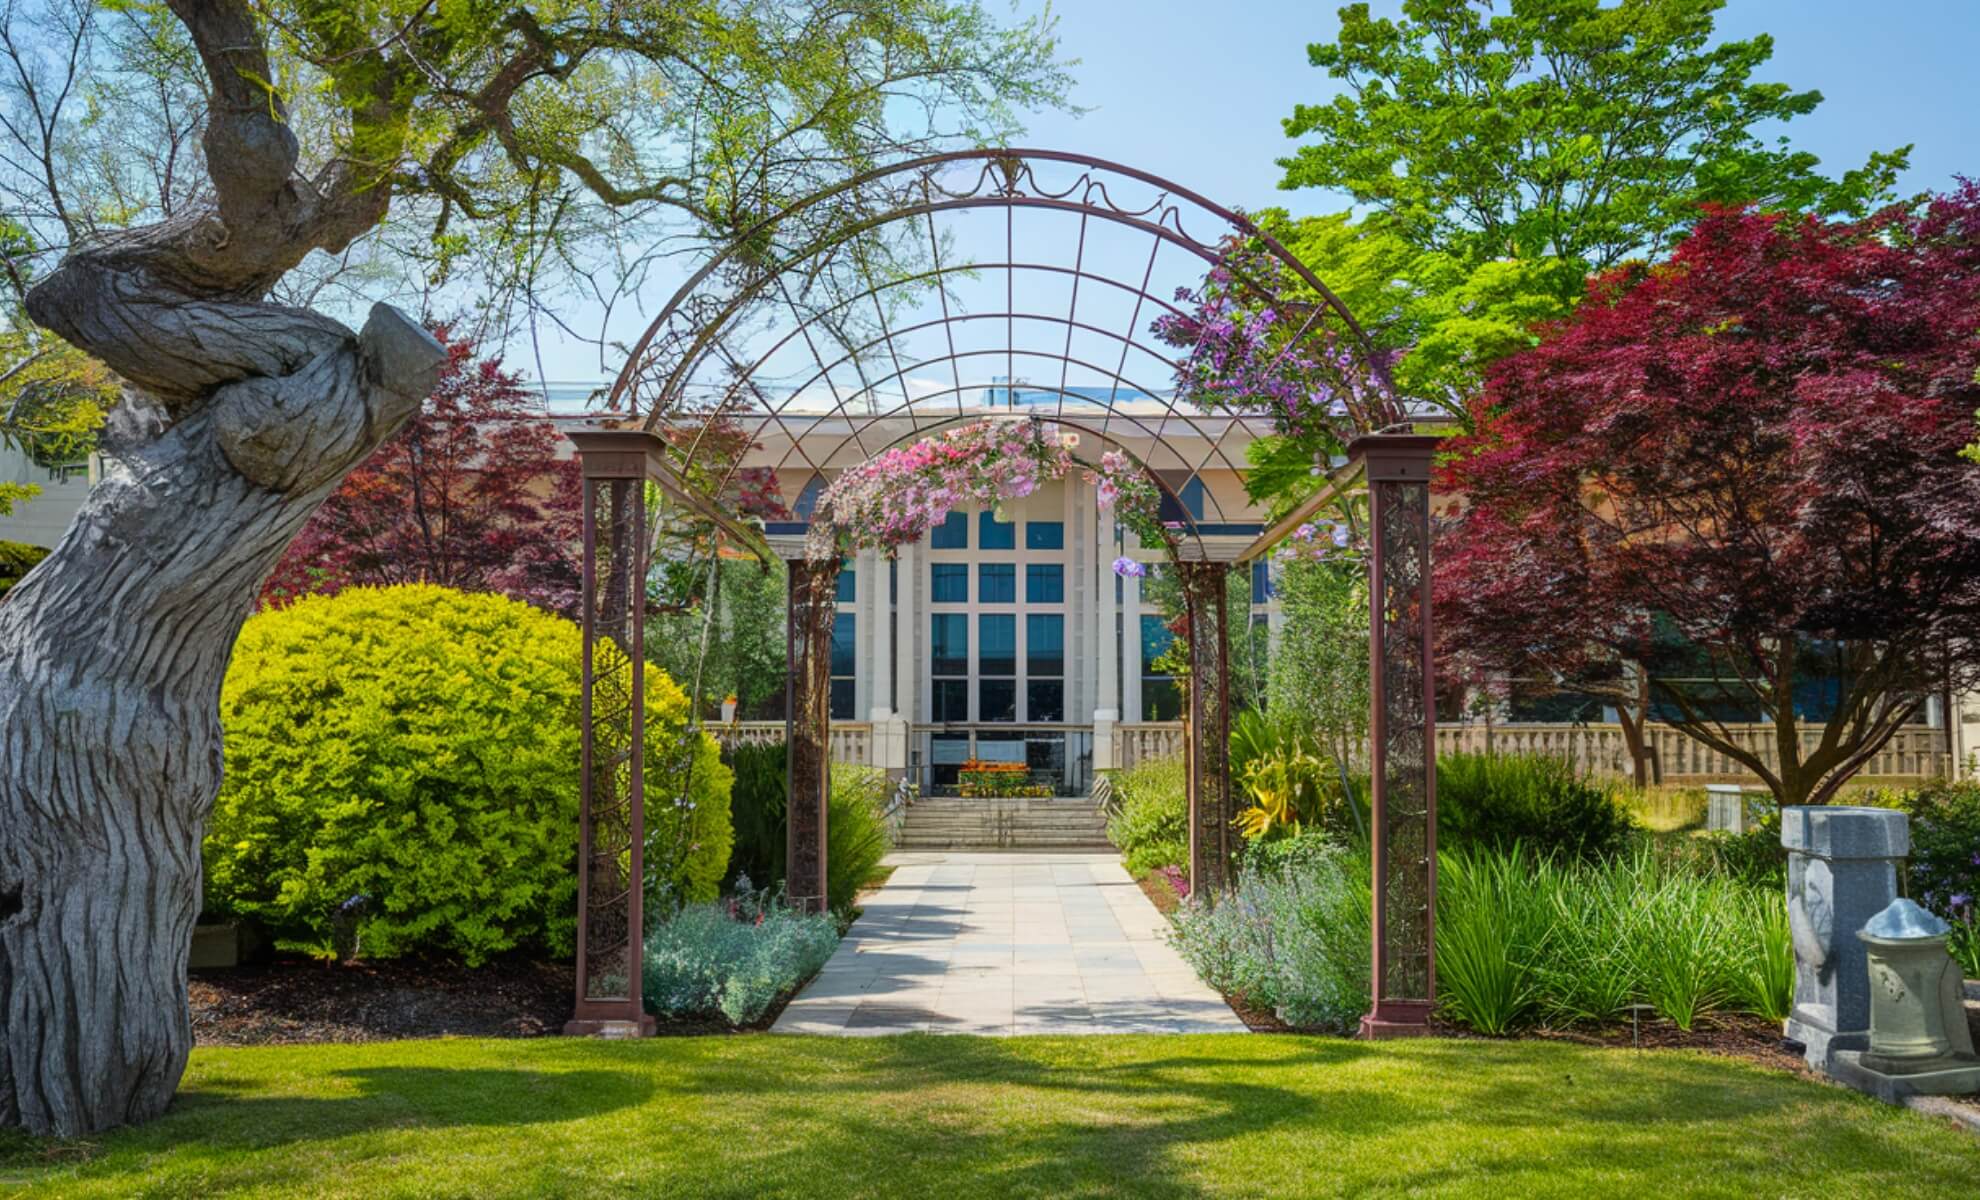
(301, 1001)
(293, 1001)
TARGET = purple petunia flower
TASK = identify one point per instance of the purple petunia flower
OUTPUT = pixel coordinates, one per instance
(1127, 568)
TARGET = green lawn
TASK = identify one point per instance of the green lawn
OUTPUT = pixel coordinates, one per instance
(1140, 1117)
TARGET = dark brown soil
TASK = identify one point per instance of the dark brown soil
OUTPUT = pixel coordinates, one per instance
(299, 1001)
(1159, 893)
(1735, 1035)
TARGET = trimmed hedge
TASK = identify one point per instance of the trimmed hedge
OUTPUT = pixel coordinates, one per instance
(418, 747)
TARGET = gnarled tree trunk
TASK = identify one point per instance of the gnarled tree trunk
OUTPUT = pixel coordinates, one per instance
(114, 650)
(240, 418)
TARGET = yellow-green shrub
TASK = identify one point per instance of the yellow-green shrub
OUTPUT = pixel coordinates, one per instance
(419, 746)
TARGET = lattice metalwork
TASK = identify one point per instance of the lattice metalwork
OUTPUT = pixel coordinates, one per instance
(1208, 756)
(612, 821)
(1402, 737)
(614, 726)
(798, 340)
(813, 594)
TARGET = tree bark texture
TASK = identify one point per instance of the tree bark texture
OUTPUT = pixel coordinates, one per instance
(240, 417)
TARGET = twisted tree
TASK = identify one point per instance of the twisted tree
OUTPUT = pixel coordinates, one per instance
(508, 137)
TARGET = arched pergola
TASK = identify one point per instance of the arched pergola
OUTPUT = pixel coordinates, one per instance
(859, 319)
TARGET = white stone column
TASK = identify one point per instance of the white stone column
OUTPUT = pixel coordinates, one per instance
(1131, 649)
(1106, 697)
(873, 575)
(907, 617)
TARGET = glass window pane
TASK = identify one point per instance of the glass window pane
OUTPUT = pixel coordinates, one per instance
(1261, 582)
(1161, 699)
(951, 534)
(844, 625)
(996, 700)
(807, 501)
(948, 644)
(1155, 638)
(996, 651)
(1000, 748)
(1191, 496)
(948, 583)
(1044, 583)
(996, 583)
(1044, 644)
(951, 703)
(1044, 535)
(842, 699)
(1045, 700)
(847, 589)
(992, 534)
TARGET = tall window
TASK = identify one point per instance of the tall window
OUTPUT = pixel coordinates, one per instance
(1161, 699)
(951, 534)
(992, 534)
(948, 583)
(948, 663)
(844, 626)
(1044, 583)
(996, 583)
(1045, 666)
(996, 667)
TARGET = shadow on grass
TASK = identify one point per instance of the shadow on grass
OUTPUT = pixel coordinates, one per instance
(1154, 1117)
(229, 1113)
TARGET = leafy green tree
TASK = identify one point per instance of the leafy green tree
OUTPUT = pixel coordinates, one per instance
(1562, 129)
(517, 148)
(1502, 157)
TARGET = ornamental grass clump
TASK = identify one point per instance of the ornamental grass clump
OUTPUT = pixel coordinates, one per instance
(1521, 940)
(733, 958)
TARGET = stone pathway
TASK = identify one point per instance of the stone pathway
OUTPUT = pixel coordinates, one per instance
(1010, 943)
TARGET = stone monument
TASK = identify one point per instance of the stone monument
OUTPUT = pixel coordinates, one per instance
(1919, 1042)
(1842, 870)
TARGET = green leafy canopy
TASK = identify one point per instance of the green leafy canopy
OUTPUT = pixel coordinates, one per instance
(1562, 129)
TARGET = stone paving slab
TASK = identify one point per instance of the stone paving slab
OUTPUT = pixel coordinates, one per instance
(1007, 944)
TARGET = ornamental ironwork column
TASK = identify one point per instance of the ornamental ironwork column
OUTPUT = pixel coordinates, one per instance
(1403, 769)
(612, 796)
(812, 605)
(1208, 755)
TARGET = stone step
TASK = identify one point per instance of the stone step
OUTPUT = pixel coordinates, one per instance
(958, 823)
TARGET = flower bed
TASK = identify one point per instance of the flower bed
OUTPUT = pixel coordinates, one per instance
(1000, 780)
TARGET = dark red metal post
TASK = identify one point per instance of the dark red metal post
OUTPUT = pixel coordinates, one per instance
(1403, 771)
(813, 604)
(1207, 756)
(612, 797)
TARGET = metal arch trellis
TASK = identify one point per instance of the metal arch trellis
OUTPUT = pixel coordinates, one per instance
(756, 271)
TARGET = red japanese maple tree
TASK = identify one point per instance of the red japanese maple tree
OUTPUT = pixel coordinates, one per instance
(1734, 480)
(470, 494)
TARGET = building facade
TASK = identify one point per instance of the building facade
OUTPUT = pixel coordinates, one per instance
(1009, 636)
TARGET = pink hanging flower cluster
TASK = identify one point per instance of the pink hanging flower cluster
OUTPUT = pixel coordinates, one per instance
(898, 495)
(1121, 486)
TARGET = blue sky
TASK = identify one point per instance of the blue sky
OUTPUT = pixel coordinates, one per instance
(1196, 92)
